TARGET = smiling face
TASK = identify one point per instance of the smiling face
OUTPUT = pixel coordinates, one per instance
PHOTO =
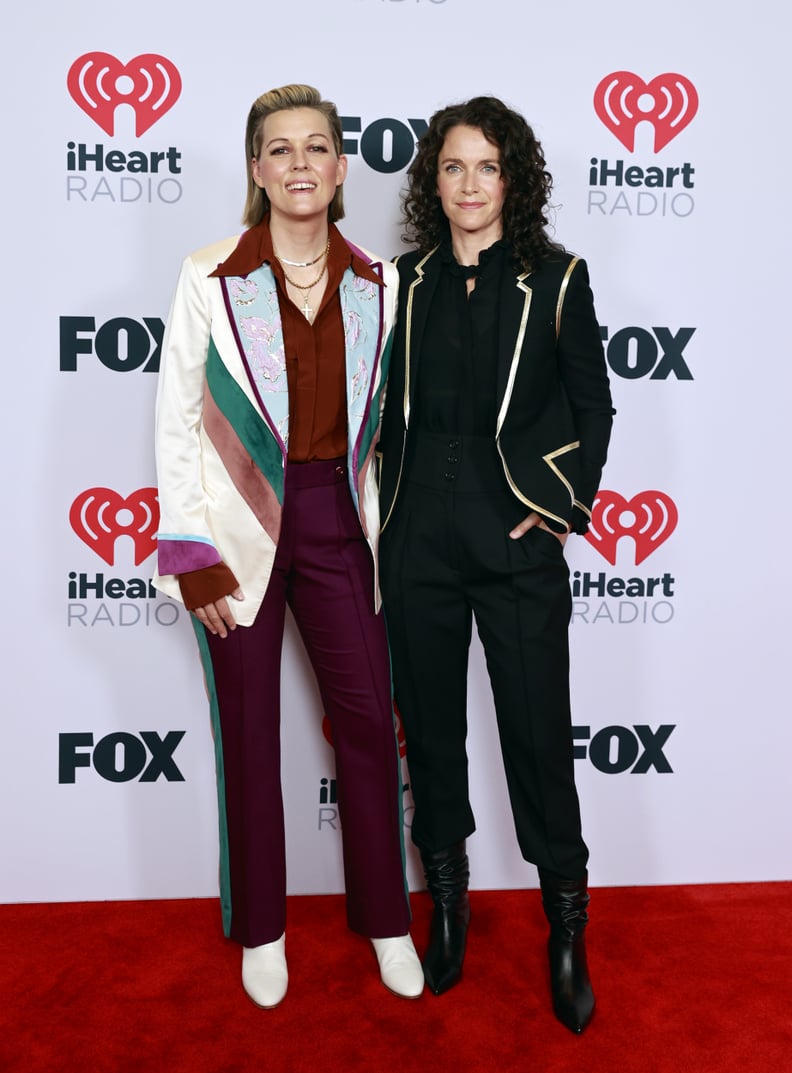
(470, 185)
(298, 167)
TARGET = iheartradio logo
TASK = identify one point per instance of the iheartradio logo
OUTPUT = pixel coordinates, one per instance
(149, 84)
(99, 516)
(622, 100)
(649, 518)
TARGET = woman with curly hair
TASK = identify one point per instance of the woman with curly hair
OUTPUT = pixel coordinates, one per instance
(494, 436)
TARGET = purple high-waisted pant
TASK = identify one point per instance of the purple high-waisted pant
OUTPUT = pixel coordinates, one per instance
(323, 571)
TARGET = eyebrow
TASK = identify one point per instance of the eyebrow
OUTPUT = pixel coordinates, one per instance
(318, 134)
(458, 160)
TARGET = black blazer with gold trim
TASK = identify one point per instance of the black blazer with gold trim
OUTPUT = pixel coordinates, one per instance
(554, 402)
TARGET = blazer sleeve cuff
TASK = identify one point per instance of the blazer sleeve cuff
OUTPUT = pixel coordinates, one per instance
(206, 586)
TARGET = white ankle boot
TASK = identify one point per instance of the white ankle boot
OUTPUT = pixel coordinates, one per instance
(400, 968)
(264, 973)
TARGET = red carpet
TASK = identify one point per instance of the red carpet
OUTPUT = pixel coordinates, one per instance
(694, 979)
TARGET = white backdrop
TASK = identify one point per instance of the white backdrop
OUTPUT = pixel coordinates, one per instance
(679, 683)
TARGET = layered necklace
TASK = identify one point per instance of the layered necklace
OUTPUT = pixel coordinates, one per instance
(305, 289)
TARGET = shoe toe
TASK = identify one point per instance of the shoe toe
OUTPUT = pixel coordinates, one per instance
(400, 968)
(265, 977)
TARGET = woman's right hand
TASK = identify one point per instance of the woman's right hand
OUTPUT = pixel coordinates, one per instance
(534, 519)
(217, 616)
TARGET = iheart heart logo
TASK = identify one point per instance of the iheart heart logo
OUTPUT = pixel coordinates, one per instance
(622, 100)
(649, 518)
(99, 516)
(149, 84)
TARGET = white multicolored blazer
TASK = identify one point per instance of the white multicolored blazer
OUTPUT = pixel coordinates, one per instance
(223, 411)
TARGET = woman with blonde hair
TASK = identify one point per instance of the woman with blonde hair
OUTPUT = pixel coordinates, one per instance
(274, 363)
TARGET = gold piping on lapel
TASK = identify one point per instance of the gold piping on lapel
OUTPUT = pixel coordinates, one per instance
(406, 401)
(562, 293)
(548, 458)
(583, 507)
(515, 353)
(408, 333)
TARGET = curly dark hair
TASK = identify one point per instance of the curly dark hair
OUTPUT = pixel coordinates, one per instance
(527, 182)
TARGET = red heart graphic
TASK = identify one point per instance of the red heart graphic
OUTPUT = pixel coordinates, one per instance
(93, 82)
(622, 100)
(94, 518)
(654, 518)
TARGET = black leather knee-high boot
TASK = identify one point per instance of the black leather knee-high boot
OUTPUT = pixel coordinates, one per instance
(447, 873)
(565, 902)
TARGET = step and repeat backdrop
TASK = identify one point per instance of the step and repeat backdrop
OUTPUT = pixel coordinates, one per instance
(664, 129)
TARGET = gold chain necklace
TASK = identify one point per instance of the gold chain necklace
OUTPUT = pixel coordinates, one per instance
(302, 264)
(307, 311)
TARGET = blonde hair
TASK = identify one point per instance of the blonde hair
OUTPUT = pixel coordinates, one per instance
(278, 100)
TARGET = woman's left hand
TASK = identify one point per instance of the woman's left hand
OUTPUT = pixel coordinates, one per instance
(532, 520)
